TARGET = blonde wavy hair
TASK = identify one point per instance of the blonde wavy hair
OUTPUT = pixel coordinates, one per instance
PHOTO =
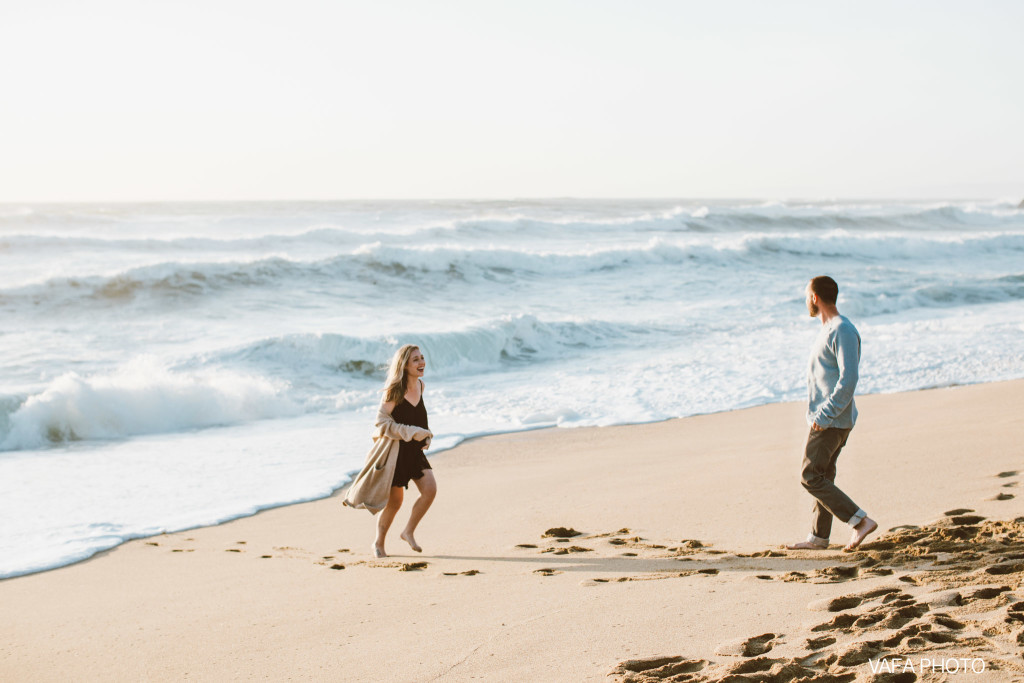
(398, 381)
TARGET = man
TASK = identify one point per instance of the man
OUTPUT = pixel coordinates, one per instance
(831, 414)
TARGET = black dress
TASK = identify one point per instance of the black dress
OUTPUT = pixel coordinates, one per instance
(411, 461)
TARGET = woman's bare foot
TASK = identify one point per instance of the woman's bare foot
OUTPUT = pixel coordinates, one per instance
(860, 532)
(408, 538)
(378, 552)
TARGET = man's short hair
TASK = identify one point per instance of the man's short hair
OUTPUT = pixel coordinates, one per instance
(825, 288)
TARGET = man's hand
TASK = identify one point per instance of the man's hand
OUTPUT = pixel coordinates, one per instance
(816, 428)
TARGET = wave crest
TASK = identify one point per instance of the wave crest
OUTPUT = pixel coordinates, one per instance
(479, 348)
(141, 398)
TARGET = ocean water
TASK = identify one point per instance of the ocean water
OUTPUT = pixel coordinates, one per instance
(164, 366)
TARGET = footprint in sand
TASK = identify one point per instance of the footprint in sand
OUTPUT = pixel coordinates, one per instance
(400, 566)
(1004, 475)
(840, 622)
(751, 666)
(895, 610)
(546, 571)
(966, 520)
(677, 668)
(837, 574)
(840, 604)
(946, 606)
(621, 532)
(632, 540)
(566, 551)
(561, 532)
(1003, 496)
(657, 668)
(1004, 569)
(987, 593)
(1015, 613)
(412, 566)
(748, 647)
(946, 622)
(820, 642)
(468, 572)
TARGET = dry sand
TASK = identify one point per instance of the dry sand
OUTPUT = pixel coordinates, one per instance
(679, 556)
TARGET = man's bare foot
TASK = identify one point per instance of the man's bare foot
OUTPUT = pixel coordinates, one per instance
(378, 552)
(408, 538)
(807, 545)
(860, 532)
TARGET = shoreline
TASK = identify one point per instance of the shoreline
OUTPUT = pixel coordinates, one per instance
(468, 439)
(294, 592)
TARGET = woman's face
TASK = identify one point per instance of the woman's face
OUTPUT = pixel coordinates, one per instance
(414, 368)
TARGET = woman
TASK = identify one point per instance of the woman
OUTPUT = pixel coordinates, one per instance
(403, 404)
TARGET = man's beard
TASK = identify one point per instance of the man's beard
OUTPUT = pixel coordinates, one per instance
(812, 309)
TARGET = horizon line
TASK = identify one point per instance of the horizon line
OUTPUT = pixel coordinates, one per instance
(538, 198)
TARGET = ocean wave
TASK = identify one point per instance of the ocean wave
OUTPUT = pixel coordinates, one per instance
(463, 262)
(946, 294)
(326, 237)
(217, 226)
(376, 264)
(883, 247)
(480, 348)
(141, 398)
(163, 281)
(233, 386)
(320, 237)
(373, 264)
(868, 217)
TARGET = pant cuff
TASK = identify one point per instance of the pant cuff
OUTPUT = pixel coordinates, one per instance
(857, 517)
(817, 540)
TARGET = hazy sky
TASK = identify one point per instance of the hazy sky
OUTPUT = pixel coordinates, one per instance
(311, 99)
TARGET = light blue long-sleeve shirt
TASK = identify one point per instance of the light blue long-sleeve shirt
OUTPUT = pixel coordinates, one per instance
(832, 375)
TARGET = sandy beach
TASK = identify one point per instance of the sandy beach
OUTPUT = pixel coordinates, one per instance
(678, 558)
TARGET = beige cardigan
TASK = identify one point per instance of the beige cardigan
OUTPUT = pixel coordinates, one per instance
(372, 486)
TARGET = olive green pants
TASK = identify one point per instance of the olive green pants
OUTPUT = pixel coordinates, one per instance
(818, 478)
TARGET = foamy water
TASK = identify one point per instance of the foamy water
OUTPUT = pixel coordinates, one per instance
(168, 366)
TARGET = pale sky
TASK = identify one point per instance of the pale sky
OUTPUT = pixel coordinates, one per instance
(323, 99)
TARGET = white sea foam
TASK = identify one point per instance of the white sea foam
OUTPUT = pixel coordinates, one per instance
(141, 398)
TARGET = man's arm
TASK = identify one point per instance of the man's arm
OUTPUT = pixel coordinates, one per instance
(847, 350)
